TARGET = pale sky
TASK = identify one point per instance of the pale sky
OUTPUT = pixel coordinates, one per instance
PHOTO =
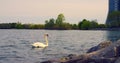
(37, 11)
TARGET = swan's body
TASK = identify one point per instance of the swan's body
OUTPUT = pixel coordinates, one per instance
(41, 45)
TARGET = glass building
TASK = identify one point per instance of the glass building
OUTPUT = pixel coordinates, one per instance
(114, 5)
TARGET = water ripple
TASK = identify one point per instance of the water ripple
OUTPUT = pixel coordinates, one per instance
(15, 45)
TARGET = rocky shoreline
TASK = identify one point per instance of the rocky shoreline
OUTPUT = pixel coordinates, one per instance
(105, 52)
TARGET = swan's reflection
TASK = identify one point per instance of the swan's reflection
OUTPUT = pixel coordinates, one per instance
(40, 49)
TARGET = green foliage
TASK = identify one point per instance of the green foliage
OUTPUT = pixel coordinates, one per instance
(102, 26)
(35, 26)
(60, 21)
(93, 24)
(66, 26)
(74, 26)
(5, 26)
(86, 24)
(27, 26)
(58, 24)
(13, 25)
(19, 25)
(50, 24)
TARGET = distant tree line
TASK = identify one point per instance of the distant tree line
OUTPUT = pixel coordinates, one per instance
(86, 25)
(59, 24)
(18, 25)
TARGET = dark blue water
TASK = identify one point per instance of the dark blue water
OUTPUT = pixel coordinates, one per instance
(15, 45)
(113, 35)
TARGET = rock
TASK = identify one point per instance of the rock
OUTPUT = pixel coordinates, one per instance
(95, 48)
(106, 52)
(92, 60)
(46, 62)
(100, 46)
(118, 60)
(117, 51)
(110, 51)
(71, 56)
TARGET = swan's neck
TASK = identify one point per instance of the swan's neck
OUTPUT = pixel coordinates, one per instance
(46, 40)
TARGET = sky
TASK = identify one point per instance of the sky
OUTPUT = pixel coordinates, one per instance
(37, 11)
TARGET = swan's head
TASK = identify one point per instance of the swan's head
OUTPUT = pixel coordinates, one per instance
(46, 35)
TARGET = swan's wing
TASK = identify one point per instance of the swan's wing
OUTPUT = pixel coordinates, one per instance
(38, 44)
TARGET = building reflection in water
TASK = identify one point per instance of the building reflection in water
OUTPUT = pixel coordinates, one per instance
(113, 35)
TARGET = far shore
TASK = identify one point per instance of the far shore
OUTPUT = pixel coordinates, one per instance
(107, 29)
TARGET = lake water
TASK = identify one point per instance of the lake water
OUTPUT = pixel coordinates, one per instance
(15, 45)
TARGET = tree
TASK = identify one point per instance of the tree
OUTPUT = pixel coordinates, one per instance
(46, 24)
(19, 25)
(67, 26)
(84, 24)
(50, 24)
(27, 26)
(74, 26)
(59, 21)
(93, 24)
(13, 25)
(102, 26)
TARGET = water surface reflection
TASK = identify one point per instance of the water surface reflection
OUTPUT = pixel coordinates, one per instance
(113, 35)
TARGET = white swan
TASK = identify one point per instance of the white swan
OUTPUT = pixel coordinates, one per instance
(41, 45)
